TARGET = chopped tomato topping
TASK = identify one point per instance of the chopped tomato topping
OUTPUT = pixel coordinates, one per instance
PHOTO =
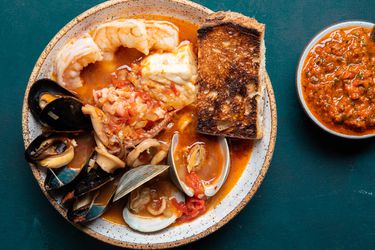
(118, 82)
(175, 91)
(192, 208)
(194, 182)
(149, 125)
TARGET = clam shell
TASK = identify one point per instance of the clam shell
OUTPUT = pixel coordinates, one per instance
(150, 224)
(136, 177)
(209, 190)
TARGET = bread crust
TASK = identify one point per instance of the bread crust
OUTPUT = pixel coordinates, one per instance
(231, 70)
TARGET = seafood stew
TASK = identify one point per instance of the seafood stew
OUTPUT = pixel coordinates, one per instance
(135, 81)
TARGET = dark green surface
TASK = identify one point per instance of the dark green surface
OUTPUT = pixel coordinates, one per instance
(319, 192)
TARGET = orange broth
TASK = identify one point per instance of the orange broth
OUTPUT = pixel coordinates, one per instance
(98, 75)
(85, 146)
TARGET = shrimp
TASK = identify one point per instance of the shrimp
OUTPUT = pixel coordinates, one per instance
(129, 33)
(72, 58)
(162, 35)
(135, 33)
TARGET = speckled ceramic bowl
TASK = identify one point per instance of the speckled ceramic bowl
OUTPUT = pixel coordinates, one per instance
(215, 218)
(308, 48)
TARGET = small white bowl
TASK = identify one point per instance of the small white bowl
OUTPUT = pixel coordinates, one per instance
(299, 71)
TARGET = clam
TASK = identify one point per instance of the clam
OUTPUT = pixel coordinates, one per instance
(156, 219)
(194, 162)
(135, 181)
(56, 107)
(93, 204)
(135, 177)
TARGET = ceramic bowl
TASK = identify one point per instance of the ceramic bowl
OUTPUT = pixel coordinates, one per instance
(236, 199)
(312, 43)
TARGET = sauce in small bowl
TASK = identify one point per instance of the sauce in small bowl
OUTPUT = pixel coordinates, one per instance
(336, 80)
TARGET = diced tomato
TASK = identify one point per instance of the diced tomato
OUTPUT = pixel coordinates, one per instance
(139, 73)
(117, 82)
(113, 127)
(175, 91)
(121, 83)
(192, 208)
(131, 112)
(167, 91)
(149, 125)
(195, 182)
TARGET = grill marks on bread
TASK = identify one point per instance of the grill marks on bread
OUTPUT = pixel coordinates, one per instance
(230, 71)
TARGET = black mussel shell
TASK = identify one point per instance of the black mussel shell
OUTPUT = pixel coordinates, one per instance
(44, 86)
(90, 181)
(63, 113)
(87, 213)
(30, 152)
(97, 202)
(58, 178)
(94, 179)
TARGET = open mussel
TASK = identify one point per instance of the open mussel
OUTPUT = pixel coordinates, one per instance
(56, 107)
(93, 204)
(50, 151)
(65, 155)
(83, 153)
(93, 179)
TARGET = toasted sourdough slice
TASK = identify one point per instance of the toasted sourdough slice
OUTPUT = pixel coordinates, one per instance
(231, 76)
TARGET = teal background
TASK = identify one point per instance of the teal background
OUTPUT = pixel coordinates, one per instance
(319, 192)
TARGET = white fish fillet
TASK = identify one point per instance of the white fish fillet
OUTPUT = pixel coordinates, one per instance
(178, 67)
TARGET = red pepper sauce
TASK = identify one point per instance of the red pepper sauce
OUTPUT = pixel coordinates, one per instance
(338, 81)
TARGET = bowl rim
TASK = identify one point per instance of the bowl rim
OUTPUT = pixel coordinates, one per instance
(301, 62)
(88, 231)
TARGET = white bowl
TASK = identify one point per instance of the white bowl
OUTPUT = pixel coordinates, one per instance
(216, 217)
(299, 71)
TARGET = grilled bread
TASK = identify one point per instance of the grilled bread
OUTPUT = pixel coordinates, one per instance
(231, 76)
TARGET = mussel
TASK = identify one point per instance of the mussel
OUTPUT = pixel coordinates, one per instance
(56, 107)
(93, 204)
(93, 179)
(83, 157)
(195, 157)
(65, 155)
(50, 150)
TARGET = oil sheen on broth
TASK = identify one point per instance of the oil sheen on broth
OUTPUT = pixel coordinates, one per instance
(98, 75)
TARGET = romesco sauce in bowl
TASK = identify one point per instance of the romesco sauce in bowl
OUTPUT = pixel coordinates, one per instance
(336, 80)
